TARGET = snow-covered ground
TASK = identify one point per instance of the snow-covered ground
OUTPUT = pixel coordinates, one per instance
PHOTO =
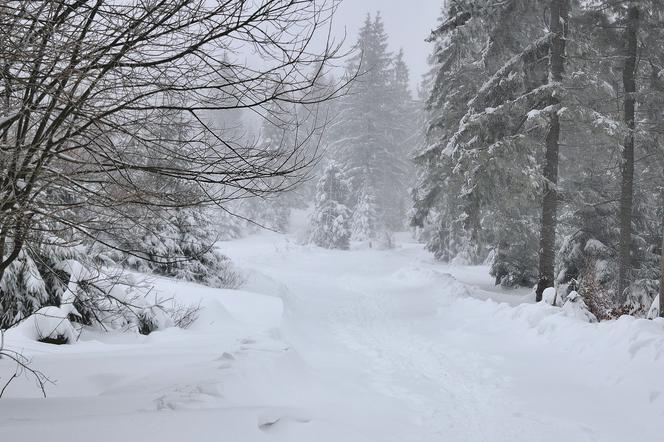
(361, 345)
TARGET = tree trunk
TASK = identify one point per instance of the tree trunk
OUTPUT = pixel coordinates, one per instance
(547, 245)
(627, 186)
(661, 277)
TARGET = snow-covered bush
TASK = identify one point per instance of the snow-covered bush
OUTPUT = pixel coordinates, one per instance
(91, 280)
(330, 221)
(576, 307)
(179, 243)
(33, 280)
(642, 293)
(550, 296)
(597, 298)
(22, 290)
(653, 311)
(588, 255)
(584, 258)
(52, 325)
(109, 299)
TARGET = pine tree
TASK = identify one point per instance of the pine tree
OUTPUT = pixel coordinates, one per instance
(480, 165)
(408, 136)
(363, 218)
(370, 135)
(452, 82)
(330, 221)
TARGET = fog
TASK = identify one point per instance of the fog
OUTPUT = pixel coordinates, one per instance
(275, 220)
(407, 26)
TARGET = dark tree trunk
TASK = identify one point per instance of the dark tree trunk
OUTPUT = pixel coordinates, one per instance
(627, 186)
(661, 277)
(547, 245)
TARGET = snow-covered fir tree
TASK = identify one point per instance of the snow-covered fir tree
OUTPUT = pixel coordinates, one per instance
(453, 80)
(370, 136)
(364, 216)
(330, 222)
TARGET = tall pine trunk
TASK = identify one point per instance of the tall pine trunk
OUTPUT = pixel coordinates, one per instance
(627, 186)
(547, 244)
(661, 276)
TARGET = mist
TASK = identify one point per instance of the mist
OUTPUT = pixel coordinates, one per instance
(324, 220)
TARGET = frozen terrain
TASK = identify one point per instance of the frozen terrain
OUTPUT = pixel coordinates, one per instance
(362, 345)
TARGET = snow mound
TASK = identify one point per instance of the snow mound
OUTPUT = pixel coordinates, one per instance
(550, 296)
(418, 276)
(253, 309)
(623, 339)
(653, 311)
(52, 324)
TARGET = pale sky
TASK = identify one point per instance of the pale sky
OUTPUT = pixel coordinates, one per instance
(407, 23)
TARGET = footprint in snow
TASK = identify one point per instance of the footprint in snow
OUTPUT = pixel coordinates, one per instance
(189, 397)
(654, 395)
(226, 360)
(225, 357)
(275, 417)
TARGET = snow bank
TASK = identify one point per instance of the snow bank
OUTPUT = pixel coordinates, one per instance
(219, 307)
(48, 324)
(375, 345)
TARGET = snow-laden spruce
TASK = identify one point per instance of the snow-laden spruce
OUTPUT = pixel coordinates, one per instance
(374, 131)
(330, 221)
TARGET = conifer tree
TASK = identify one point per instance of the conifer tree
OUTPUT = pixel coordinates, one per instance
(455, 77)
(364, 217)
(330, 221)
(503, 97)
(489, 76)
(372, 129)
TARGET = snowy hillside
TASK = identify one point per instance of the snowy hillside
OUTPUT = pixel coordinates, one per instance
(359, 345)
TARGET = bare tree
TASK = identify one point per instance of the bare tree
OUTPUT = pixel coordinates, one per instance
(85, 86)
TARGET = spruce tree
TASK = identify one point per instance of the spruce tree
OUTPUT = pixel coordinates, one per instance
(364, 217)
(330, 221)
(370, 135)
(453, 80)
(486, 133)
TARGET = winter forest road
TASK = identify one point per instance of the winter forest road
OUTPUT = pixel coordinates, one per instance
(348, 346)
(423, 356)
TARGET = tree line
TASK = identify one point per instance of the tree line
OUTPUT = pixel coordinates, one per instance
(543, 151)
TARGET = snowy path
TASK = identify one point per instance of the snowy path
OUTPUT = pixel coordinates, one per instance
(461, 368)
(374, 346)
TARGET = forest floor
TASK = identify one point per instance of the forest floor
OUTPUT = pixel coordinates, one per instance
(361, 345)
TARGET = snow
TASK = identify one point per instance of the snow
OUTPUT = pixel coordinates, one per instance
(550, 296)
(653, 311)
(361, 345)
(50, 323)
(576, 307)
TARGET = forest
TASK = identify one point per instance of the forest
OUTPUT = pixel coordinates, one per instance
(230, 212)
